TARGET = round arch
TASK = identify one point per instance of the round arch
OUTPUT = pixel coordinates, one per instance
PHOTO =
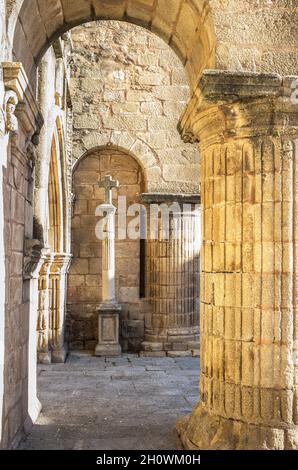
(186, 25)
(139, 151)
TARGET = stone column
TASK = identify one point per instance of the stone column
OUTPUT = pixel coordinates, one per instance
(57, 292)
(44, 355)
(108, 257)
(32, 265)
(247, 125)
(173, 277)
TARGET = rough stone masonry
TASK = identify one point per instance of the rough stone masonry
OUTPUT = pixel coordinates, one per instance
(236, 87)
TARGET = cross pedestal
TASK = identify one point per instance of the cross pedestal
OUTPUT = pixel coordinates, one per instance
(109, 310)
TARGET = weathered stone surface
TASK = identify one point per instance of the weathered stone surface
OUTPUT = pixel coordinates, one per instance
(141, 404)
(129, 90)
(248, 191)
(243, 264)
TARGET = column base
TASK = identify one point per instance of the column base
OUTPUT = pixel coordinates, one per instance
(59, 355)
(44, 357)
(175, 342)
(33, 411)
(111, 350)
(204, 431)
(108, 330)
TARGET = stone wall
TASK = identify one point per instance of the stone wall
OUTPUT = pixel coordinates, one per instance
(256, 35)
(129, 88)
(84, 281)
(23, 242)
(17, 172)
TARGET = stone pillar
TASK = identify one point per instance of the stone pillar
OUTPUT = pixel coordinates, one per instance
(44, 355)
(247, 125)
(109, 310)
(32, 264)
(173, 276)
(20, 122)
(108, 257)
(57, 300)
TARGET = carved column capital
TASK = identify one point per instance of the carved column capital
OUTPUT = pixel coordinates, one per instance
(60, 263)
(231, 105)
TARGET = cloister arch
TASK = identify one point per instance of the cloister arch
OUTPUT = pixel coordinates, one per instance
(186, 25)
(244, 371)
(55, 201)
(56, 259)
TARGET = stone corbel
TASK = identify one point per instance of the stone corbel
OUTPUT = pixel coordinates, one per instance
(20, 106)
(10, 103)
(32, 255)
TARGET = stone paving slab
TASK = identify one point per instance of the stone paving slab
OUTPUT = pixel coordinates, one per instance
(120, 403)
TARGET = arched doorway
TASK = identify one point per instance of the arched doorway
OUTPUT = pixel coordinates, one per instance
(84, 281)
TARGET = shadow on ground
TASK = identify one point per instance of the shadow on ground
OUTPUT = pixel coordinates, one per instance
(125, 403)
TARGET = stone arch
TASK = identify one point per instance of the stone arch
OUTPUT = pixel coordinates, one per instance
(186, 26)
(127, 144)
(85, 275)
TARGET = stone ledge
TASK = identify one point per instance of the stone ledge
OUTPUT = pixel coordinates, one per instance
(157, 198)
(222, 85)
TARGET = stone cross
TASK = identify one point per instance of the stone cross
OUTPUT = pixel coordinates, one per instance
(108, 184)
(109, 310)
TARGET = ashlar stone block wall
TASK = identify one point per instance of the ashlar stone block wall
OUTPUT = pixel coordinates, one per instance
(129, 88)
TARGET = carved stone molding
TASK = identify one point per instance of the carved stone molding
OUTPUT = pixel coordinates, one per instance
(32, 255)
(60, 263)
(229, 105)
(10, 103)
(73, 199)
(20, 106)
(181, 198)
(2, 121)
(188, 136)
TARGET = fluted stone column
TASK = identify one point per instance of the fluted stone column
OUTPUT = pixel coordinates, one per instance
(43, 347)
(173, 277)
(247, 125)
(57, 293)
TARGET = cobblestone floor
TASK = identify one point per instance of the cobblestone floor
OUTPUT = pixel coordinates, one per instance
(113, 403)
